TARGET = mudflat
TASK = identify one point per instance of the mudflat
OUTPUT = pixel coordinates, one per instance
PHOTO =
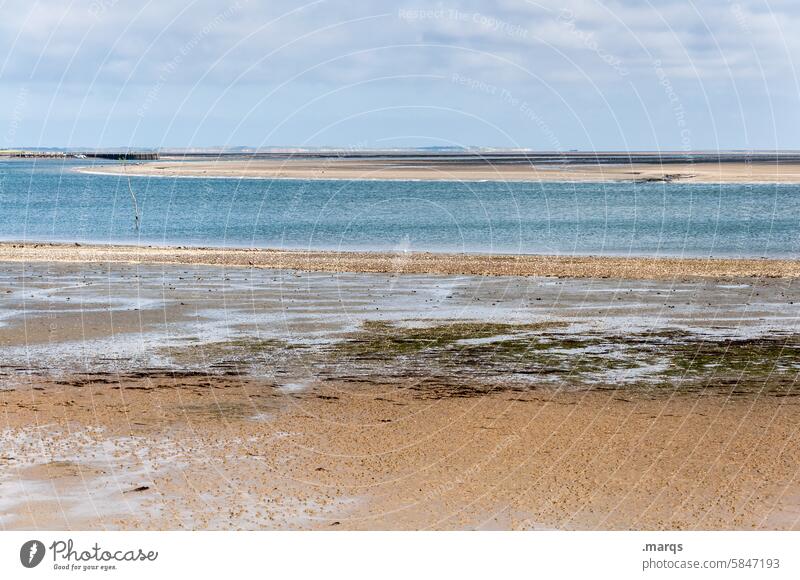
(169, 396)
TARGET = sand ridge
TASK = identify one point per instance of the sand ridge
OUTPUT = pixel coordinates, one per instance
(643, 268)
(393, 169)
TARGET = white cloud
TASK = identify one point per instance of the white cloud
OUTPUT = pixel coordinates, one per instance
(123, 51)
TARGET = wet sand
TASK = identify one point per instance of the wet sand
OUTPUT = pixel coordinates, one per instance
(398, 169)
(164, 396)
(642, 268)
(199, 453)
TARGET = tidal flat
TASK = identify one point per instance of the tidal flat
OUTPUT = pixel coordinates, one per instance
(166, 396)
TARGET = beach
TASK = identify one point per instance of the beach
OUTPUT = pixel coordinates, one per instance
(172, 452)
(407, 262)
(347, 168)
(144, 391)
(397, 271)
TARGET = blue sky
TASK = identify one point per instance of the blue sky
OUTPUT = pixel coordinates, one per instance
(563, 75)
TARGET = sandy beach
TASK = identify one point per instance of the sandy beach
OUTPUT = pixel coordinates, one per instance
(640, 268)
(399, 270)
(172, 452)
(358, 169)
(143, 395)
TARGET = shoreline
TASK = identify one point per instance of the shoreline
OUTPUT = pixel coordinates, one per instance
(563, 180)
(529, 265)
(348, 169)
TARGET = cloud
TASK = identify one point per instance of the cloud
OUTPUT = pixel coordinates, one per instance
(85, 59)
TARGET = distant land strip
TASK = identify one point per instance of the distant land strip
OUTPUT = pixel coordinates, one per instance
(465, 168)
(645, 268)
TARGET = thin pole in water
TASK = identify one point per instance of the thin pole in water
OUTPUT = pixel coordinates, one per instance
(133, 196)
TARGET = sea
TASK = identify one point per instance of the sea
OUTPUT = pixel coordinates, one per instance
(48, 200)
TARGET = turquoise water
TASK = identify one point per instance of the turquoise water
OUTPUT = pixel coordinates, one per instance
(45, 200)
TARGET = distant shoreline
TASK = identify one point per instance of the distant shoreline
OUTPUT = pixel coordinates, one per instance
(461, 170)
(564, 178)
(632, 268)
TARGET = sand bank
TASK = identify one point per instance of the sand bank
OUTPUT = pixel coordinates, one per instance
(408, 263)
(355, 169)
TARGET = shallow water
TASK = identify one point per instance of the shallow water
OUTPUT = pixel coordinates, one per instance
(47, 200)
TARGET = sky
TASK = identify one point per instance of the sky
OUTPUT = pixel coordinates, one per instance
(574, 74)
